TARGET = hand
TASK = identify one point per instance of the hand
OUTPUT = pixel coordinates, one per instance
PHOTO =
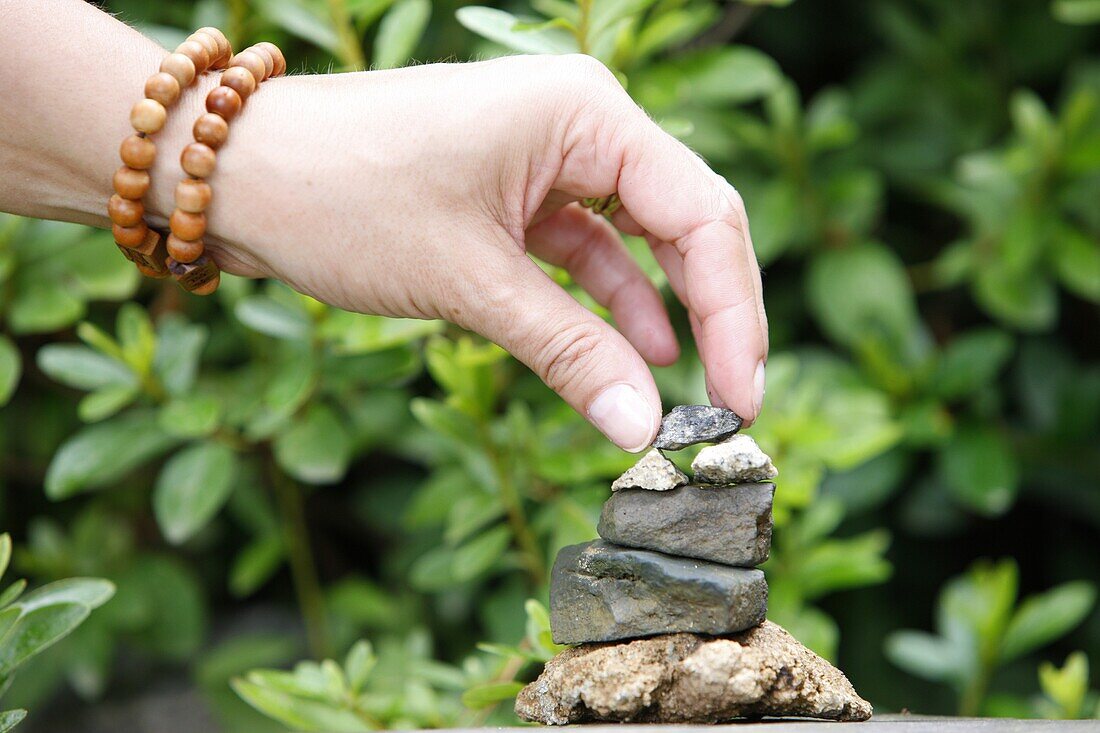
(420, 193)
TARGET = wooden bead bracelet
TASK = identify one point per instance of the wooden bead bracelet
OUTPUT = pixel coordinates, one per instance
(205, 48)
(193, 269)
(181, 256)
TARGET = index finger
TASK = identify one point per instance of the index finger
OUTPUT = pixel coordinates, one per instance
(677, 199)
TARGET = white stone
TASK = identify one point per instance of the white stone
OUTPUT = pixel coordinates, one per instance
(738, 460)
(653, 472)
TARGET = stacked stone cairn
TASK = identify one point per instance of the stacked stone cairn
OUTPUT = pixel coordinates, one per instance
(668, 608)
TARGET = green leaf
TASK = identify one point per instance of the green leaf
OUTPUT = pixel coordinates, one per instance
(179, 347)
(489, 694)
(255, 564)
(100, 454)
(1048, 616)
(37, 630)
(107, 401)
(194, 416)
(11, 718)
(861, 293)
(469, 513)
(970, 362)
(193, 485)
(12, 592)
(359, 664)
(90, 592)
(726, 76)
(1024, 300)
(11, 366)
(924, 655)
(297, 712)
(5, 553)
(498, 26)
(137, 337)
(1077, 12)
(356, 333)
(981, 469)
(42, 306)
(316, 447)
(445, 420)
(400, 31)
(174, 611)
(80, 367)
(272, 317)
(481, 553)
(300, 19)
(1077, 261)
(1067, 686)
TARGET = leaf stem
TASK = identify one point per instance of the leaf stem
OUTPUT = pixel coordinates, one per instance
(303, 569)
(581, 33)
(349, 51)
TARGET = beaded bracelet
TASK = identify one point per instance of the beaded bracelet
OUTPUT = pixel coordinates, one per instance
(205, 48)
(186, 262)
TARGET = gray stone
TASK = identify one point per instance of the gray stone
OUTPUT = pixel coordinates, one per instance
(687, 678)
(690, 424)
(602, 592)
(727, 524)
(653, 472)
(735, 461)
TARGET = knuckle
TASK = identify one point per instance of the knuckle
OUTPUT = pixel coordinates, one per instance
(566, 356)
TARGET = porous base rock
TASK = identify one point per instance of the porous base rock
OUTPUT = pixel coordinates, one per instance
(690, 678)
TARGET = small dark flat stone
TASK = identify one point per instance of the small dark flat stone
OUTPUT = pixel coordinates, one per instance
(603, 592)
(690, 424)
(731, 525)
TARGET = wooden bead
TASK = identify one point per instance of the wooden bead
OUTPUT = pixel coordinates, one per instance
(208, 42)
(211, 129)
(268, 59)
(193, 196)
(198, 160)
(163, 87)
(129, 236)
(150, 272)
(149, 253)
(182, 250)
(148, 116)
(200, 277)
(239, 80)
(180, 67)
(186, 225)
(225, 51)
(138, 152)
(224, 102)
(130, 183)
(251, 61)
(125, 212)
(198, 55)
(276, 55)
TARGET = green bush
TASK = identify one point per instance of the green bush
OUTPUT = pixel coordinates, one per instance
(922, 179)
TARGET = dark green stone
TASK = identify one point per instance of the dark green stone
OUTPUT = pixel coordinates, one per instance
(727, 524)
(603, 592)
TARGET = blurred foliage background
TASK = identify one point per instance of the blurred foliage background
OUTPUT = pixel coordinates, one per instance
(265, 479)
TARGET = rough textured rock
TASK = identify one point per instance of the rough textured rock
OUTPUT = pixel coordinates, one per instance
(690, 424)
(686, 678)
(727, 524)
(653, 472)
(737, 460)
(603, 592)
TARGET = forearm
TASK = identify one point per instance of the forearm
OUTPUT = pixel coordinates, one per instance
(68, 76)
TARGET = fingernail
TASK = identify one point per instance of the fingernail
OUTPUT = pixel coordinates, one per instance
(758, 380)
(624, 416)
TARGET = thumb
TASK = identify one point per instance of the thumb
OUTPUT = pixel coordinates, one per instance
(579, 356)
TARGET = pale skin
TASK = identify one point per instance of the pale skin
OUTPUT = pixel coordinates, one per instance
(419, 193)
